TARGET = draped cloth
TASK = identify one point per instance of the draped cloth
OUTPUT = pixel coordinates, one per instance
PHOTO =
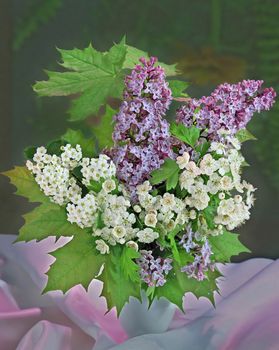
(246, 314)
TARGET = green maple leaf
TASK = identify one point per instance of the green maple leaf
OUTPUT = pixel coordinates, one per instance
(104, 129)
(48, 219)
(187, 135)
(178, 283)
(77, 262)
(133, 55)
(26, 185)
(177, 87)
(168, 172)
(129, 267)
(120, 277)
(94, 75)
(75, 137)
(226, 245)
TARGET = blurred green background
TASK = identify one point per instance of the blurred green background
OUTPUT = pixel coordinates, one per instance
(212, 40)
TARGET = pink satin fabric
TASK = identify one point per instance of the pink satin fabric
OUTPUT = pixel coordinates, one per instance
(246, 316)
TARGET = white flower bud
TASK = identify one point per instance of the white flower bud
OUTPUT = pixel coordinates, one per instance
(221, 195)
(137, 208)
(133, 245)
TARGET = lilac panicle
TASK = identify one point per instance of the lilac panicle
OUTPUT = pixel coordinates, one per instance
(141, 136)
(153, 271)
(230, 107)
(202, 261)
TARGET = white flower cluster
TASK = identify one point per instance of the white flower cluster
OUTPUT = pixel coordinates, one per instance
(232, 212)
(83, 211)
(117, 220)
(218, 173)
(96, 200)
(159, 212)
(52, 173)
(97, 169)
(56, 179)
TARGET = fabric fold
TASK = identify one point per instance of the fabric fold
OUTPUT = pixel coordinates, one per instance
(246, 314)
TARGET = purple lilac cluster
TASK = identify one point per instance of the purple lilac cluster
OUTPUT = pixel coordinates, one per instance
(202, 261)
(141, 136)
(153, 271)
(230, 107)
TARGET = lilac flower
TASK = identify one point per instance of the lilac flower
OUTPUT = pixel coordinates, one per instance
(230, 107)
(202, 261)
(141, 136)
(153, 271)
(187, 240)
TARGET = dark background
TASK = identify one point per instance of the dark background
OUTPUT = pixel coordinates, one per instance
(213, 40)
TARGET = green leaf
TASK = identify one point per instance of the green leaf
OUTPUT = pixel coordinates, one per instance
(76, 137)
(104, 129)
(168, 172)
(94, 75)
(244, 135)
(29, 152)
(187, 135)
(133, 55)
(203, 148)
(177, 87)
(226, 245)
(54, 147)
(26, 185)
(173, 245)
(120, 277)
(48, 219)
(210, 211)
(95, 186)
(185, 257)
(77, 262)
(129, 267)
(178, 283)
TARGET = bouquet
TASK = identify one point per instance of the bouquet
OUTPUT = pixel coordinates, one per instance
(150, 205)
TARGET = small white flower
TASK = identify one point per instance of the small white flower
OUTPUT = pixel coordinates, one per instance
(208, 165)
(102, 246)
(150, 220)
(183, 160)
(217, 147)
(170, 225)
(119, 232)
(109, 185)
(168, 200)
(193, 169)
(237, 199)
(144, 188)
(147, 235)
(213, 184)
(186, 180)
(223, 166)
(192, 214)
(147, 201)
(226, 183)
(29, 165)
(236, 143)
